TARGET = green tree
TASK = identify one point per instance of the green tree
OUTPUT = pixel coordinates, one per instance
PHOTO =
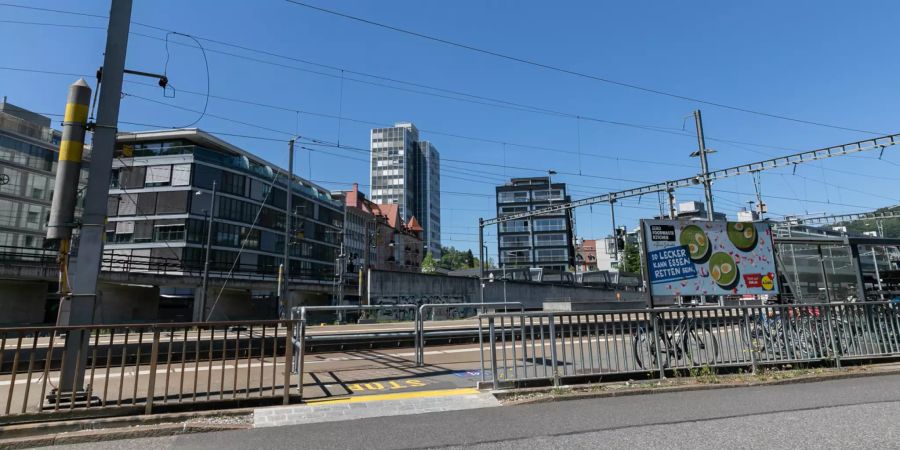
(452, 259)
(632, 260)
(470, 259)
(891, 227)
(428, 264)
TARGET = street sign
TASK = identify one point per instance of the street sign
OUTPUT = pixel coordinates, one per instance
(687, 257)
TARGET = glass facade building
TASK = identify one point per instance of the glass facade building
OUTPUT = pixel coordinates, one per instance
(545, 241)
(29, 150)
(406, 171)
(160, 198)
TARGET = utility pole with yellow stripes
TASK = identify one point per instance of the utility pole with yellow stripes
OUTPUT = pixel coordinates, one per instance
(78, 307)
(68, 170)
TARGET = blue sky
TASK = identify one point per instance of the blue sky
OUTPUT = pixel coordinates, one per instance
(821, 61)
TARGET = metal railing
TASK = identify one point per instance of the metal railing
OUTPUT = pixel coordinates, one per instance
(552, 347)
(15, 256)
(300, 340)
(132, 369)
(421, 334)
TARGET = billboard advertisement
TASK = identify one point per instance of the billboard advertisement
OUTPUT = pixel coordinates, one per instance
(686, 257)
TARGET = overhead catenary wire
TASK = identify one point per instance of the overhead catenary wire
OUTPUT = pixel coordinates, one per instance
(673, 131)
(318, 142)
(574, 72)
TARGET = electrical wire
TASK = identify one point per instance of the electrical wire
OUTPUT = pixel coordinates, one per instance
(244, 244)
(205, 64)
(497, 102)
(573, 72)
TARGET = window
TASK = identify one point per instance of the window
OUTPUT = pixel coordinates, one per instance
(166, 233)
(124, 231)
(33, 217)
(132, 177)
(158, 176)
(512, 197)
(512, 209)
(143, 231)
(37, 187)
(549, 239)
(146, 203)
(232, 183)
(205, 175)
(127, 205)
(551, 254)
(515, 256)
(7, 239)
(181, 175)
(514, 226)
(515, 241)
(15, 181)
(9, 212)
(558, 224)
(544, 195)
(174, 202)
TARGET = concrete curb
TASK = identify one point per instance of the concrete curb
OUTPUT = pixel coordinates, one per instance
(85, 436)
(55, 433)
(573, 394)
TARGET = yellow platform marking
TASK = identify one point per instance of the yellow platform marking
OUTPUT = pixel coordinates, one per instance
(397, 396)
(389, 386)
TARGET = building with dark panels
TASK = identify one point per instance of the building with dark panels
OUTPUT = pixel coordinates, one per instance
(160, 202)
(406, 172)
(545, 241)
(29, 149)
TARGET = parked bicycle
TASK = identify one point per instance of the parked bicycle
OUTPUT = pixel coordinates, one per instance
(690, 342)
(787, 332)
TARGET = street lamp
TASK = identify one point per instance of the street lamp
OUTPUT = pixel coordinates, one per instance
(201, 306)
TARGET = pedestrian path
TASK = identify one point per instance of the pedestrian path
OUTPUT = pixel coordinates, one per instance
(377, 405)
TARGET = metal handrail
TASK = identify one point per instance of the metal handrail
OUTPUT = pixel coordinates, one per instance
(598, 343)
(299, 340)
(420, 323)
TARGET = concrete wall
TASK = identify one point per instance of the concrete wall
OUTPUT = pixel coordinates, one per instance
(401, 287)
(120, 303)
(22, 302)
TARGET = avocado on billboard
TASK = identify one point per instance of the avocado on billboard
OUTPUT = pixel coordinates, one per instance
(685, 257)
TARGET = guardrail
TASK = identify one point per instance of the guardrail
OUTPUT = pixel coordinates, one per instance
(552, 347)
(188, 364)
(300, 340)
(420, 322)
(13, 256)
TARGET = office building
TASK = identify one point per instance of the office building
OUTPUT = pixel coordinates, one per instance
(160, 198)
(29, 150)
(545, 241)
(406, 172)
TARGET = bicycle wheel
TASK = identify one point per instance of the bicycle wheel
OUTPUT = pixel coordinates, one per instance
(701, 348)
(646, 347)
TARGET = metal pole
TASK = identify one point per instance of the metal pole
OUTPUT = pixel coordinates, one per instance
(704, 165)
(288, 229)
(481, 254)
(90, 248)
(209, 229)
(671, 193)
(877, 275)
(857, 270)
(504, 284)
(825, 275)
(65, 192)
(612, 214)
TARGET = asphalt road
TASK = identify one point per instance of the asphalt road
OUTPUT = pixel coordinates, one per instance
(851, 413)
